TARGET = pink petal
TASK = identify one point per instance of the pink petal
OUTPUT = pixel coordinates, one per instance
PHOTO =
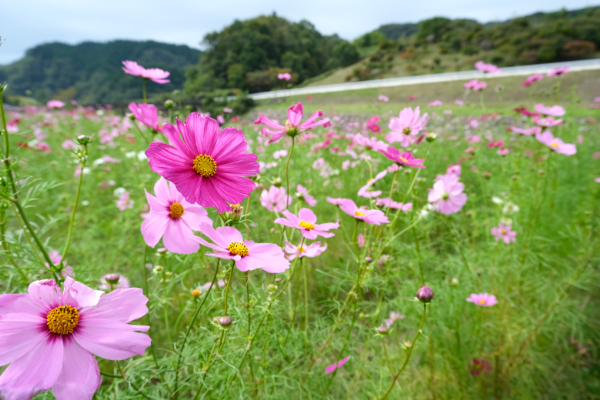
(295, 114)
(153, 228)
(19, 303)
(80, 375)
(83, 295)
(124, 305)
(35, 372)
(19, 333)
(178, 238)
(45, 293)
(306, 214)
(110, 339)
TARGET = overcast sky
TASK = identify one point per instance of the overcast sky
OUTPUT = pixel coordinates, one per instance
(26, 23)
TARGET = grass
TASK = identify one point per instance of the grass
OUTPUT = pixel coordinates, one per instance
(546, 283)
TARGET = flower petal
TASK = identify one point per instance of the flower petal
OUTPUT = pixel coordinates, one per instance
(45, 293)
(123, 305)
(178, 238)
(80, 376)
(153, 228)
(110, 339)
(19, 333)
(83, 295)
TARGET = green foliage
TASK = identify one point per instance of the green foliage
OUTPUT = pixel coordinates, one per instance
(91, 72)
(256, 48)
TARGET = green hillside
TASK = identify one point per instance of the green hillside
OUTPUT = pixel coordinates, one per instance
(91, 73)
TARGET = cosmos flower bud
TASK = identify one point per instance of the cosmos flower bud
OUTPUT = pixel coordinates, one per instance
(425, 294)
(236, 212)
(277, 280)
(487, 175)
(454, 282)
(169, 103)
(368, 260)
(162, 250)
(225, 321)
(382, 330)
(277, 182)
(84, 140)
(112, 279)
(431, 137)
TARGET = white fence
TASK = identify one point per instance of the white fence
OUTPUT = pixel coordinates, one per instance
(584, 65)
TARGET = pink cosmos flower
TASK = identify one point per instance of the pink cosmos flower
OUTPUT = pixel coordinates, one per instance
(560, 71)
(406, 127)
(375, 217)
(483, 299)
(532, 79)
(365, 192)
(411, 98)
(293, 126)
(435, 103)
(547, 122)
(303, 194)
(447, 195)
(12, 126)
(372, 124)
(554, 111)
(173, 219)
(469, 150)
(248, 256)
(122, 283)
(208, 167)
(147, 114)
(480, 367)
(227, 110)
(360, 239)
(471, 84)
(69, 145)
(454, 169)
(335, 201)
(153, 74)
(488, 68)
(406, 158)
(285, 76)
(480, 86)
(530, 131)
(55, 104)
(395, 205)
(394, 316)
(503, 152)
(383, 98)
(50, 337)
(459, 102)
(56, 258)
(503, 232)
(306, 222)
(556, 144)
(597, 180)
(313, 250)
(275, 199)
(333, 367)
(124, 203)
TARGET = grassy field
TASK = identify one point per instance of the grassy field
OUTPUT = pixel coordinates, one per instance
(540, 341)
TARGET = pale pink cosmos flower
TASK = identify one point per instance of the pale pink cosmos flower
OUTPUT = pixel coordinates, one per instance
(556, 144)
(526, 131)
(304, 195)
(471, 84)
(306, 221)
(207, 166)
(483, 299)
(227, 110)
(546, 122)
(208, 285)
(469, 150)
(335, 201)
(459, 102)
(597, 180)
(532, 79)
(54, 335)
(293, 125)
(220, 119)
(275, 199)
(480, 86)
(56, 258)
(154, 74)
(394, 316)
(375, 217)
(248, 255)
(503, 152)
(333, 367)
(365, 190)
(454, 169)
(286, 76)
(504, 232)
(147, 114)
(173, 219)
(360, 240)
(370, 143)
(487, 68)
(124, 202)
(55, 104)
(435, 103)
(560, 71)
(395, 205)
(69, 145)
(313, 250)
(447, 195)
(554, 111)
(122, 283)
(406, 126)
(406, 158)
(383, 98)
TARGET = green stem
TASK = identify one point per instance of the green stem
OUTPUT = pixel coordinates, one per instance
(131, 383)
(391, 190)
(287, 176)
(64, 254)
(228, 283)
(165, 311)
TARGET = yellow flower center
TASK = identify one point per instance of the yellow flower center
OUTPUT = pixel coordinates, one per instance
(554, 144)
(301, 249)
(62, 320)
(359, 214)
(407, 131)
(402, 159)
(482, 301)
(205, 165)
(307, 225)
(176, 210)
(503, 231)
(238, 249)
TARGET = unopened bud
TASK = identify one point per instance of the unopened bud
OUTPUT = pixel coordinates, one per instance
(254, 178)
(487, 175)
(169, 103)
(225, 321)
(368, 260)
(431, 137)
(382, 330)
(196, 293)
(236, 212)
(425, 294)
(272, 288)
(162, 250)
(84, 140)
(277, 182)
(454, 282)
(277, 280)
(131, 117)
(112, 279)
(158, 268)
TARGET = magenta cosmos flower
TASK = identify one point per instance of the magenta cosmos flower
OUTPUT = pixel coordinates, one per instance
(172, 218)
(556, 144)
(50, 337)
(526, 131)
(313, 250)
(503, 232)
(293, 125)
(560, 71)
(554, 111)
(406, 127)
(488, 68)
(230, 245)
(483, 299)
(447, 195)
(376, 217)
(153, 74)
(147, 114)
(533, 79)
(333, 367)
(370, 143)
(208, 167)
(405, 158)
(306, 221)
(275, 199)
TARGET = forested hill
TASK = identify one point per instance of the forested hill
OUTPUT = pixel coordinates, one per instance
(91, 73)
